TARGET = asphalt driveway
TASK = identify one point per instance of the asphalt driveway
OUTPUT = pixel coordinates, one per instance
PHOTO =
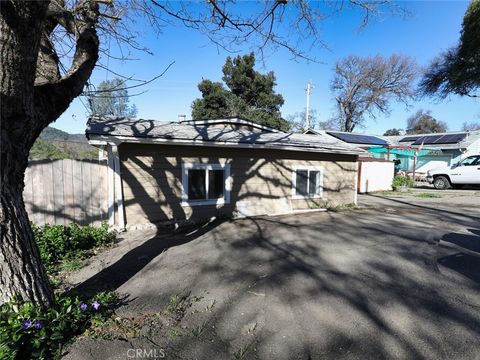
(398, 278)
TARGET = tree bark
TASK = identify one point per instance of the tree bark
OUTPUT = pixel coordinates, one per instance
(32, 95)
(21, 271)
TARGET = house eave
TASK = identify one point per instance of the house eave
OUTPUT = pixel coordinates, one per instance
(101, 140)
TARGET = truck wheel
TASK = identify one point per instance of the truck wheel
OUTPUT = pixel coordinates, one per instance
(441, 183)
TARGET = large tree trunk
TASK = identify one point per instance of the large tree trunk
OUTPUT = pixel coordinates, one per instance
(33, 94)
(21, 272)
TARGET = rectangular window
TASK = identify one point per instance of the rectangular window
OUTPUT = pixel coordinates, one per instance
(302, 182)
(196, 184)
(205, 184)
(307, 182)
(216, 184)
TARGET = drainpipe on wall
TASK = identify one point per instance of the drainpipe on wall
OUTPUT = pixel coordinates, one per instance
(111, 187)
(115, 187)
(357, 175)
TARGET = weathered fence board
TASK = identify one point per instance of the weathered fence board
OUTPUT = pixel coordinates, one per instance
(65, 191)
(58, 200)
(68, 196)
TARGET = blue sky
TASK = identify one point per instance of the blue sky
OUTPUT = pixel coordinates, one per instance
(432, 27)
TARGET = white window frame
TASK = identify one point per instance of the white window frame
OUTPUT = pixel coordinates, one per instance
(197, 166)
(294, 182)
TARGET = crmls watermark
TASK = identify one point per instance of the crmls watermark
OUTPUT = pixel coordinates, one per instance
(145, 353)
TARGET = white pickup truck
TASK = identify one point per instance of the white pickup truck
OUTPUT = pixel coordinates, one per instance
(465, 172)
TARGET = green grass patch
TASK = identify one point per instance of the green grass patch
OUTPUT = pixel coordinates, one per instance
(344, 207)
(315, 206)
(391, 193)
(427, 195)
(73, 264)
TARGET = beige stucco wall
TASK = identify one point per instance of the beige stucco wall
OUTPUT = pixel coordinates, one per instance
(261, 181)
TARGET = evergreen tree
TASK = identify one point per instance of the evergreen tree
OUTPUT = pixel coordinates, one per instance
(111, 98)
(457, 70)
(248, 94)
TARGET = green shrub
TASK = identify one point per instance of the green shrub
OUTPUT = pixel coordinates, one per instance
(33, 332)
(58, 243)
(400, 180)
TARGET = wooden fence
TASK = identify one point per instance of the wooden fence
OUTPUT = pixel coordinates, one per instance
(65, 191)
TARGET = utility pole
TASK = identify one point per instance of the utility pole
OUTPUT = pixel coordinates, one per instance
(307, 110)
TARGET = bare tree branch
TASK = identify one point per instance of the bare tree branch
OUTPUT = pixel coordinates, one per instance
(143, 83)
(366, 86)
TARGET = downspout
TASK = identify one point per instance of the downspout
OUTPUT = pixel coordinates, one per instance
(356, 189)
(111, 187)
(117, 185)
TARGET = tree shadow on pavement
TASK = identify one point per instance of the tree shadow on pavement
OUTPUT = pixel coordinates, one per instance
(466, 263)
(136, 259)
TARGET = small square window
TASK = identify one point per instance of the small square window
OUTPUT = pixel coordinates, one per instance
(307, 183)
(205, 184)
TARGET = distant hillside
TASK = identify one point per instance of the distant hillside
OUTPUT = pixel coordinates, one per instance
(57, 144)
(50, 133)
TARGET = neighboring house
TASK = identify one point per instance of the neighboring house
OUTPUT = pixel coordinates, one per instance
(357, 140)
(431, 150)
(373, 174)
(194, 170)
(437, 150)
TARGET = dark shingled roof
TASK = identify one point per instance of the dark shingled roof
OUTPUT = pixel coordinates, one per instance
(134, 130)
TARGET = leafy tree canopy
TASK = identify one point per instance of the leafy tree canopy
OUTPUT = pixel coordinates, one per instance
(247, 94)
(393, 132)
(457, 70)
(365, 87)
(111, 98)
(422, 122)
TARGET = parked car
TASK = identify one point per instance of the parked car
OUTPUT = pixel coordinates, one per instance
(465, 172)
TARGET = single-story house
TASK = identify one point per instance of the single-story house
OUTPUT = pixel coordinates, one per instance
(437, 150)
(427, 151)
(192, 170)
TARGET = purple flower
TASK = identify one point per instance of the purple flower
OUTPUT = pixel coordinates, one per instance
(83, 306)
(38, 325)
(96, 305)
(26, 323)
